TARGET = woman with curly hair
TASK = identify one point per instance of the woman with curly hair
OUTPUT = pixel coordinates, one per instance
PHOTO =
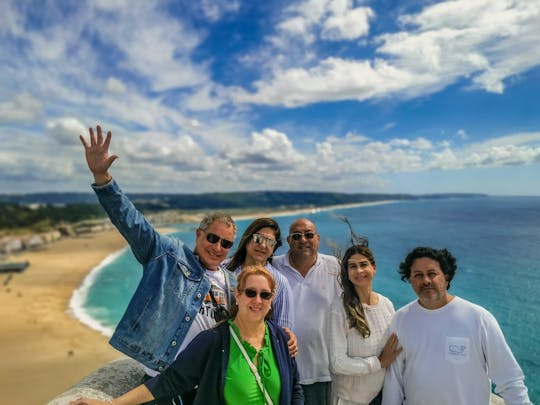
(356, 327)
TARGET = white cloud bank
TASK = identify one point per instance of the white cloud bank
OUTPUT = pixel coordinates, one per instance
(484, 42)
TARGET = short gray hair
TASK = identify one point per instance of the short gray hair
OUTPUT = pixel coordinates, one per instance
(219, 217)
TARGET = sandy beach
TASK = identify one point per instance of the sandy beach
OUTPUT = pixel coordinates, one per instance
(44, 349)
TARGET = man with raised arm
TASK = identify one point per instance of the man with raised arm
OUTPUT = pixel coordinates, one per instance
(181, 292)
(313, 278)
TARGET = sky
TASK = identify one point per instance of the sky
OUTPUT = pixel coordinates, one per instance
(348, 96)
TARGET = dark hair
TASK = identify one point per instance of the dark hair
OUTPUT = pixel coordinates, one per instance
(256, 270)
(446, 261)
(239, 257)
(351, 301)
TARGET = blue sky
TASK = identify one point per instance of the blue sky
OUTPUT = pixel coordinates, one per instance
(334, 95)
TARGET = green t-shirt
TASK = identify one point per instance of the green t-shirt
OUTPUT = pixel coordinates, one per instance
(240, 384)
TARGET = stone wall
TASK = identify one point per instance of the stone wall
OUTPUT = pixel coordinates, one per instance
(106, 383)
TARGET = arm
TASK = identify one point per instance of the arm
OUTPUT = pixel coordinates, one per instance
(393, 393)
(141, 236)
(336, 336)
(502, 366)
(297, 392)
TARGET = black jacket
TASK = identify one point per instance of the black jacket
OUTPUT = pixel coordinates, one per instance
(203, 365)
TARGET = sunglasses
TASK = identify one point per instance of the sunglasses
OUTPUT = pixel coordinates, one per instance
(251, 293)
(298, 235)
(213, 238)
(263, 240)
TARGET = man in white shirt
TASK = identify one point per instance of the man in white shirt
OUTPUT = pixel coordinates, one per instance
(313, 280)
(452, 349)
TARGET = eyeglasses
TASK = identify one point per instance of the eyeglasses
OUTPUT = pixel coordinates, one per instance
(213, 238)
(263, 240)
(251, 293)
(298, 235)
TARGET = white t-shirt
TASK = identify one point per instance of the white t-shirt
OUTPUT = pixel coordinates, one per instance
(449, 356)
(205, 318)
(312, 297)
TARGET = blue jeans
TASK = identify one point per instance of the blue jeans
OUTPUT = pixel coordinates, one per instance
(317, 393)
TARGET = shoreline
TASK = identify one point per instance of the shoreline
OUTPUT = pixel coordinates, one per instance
(44, 341)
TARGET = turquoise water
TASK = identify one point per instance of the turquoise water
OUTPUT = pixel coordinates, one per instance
(495, 239)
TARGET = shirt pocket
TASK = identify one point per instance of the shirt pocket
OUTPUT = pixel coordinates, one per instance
(457, 350)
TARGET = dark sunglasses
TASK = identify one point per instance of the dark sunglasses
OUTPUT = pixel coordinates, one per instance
(251, 293)
(298, 235)
(213, 238)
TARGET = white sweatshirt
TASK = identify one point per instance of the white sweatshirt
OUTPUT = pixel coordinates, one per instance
(449, 355)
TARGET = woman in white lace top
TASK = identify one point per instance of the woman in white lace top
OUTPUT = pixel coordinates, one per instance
(356, 325)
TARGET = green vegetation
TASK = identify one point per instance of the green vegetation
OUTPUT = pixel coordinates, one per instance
(46, 216)
(43, 211)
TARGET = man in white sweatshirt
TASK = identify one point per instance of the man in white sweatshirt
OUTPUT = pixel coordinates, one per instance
(452, 349)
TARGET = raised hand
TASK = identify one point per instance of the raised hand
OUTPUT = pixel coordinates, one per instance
(97, 155)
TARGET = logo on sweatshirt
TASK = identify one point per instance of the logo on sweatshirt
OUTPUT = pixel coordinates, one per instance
(457, 349)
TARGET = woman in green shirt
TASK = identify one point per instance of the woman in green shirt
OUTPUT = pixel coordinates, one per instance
(215, 365)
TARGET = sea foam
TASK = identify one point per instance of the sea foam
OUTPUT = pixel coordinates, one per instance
(80, 295)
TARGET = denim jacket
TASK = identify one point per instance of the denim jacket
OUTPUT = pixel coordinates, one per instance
(171, 290)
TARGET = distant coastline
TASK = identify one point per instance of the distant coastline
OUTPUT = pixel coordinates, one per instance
(309, 210)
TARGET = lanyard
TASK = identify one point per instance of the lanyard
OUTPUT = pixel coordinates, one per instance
(251, 366)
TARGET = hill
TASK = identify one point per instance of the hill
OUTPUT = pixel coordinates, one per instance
(40, 211)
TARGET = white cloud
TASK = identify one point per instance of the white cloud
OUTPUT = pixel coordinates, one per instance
(269, 148)
(23, 108)
(333, 79)
(344, 157)
(206, 98)
(162, 150)
(115, 85)
(489, 40)
(215, 9)
(462, 134)
(156, 47)
(138, 70)
(347, 24)
(484, 42)
(66, 130)
(329, 20)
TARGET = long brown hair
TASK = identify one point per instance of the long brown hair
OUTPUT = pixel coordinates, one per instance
(351, 301)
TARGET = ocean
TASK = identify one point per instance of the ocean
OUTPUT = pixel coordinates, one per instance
(496, 241)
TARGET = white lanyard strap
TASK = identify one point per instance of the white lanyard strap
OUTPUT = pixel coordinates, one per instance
(251, 366)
